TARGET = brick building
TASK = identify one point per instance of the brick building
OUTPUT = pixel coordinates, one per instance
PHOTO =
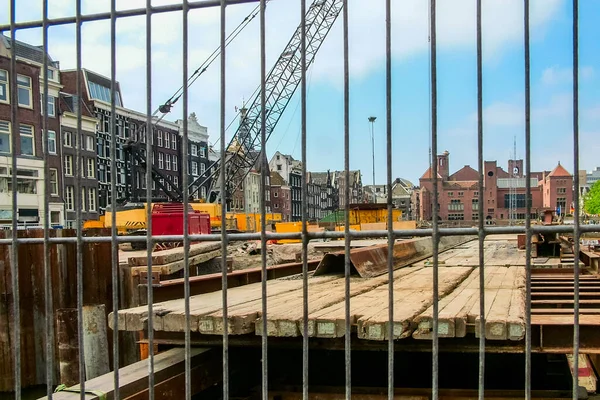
(86, 142)
(281, 199)
(460, 198)
(130, 128)
(29, 148)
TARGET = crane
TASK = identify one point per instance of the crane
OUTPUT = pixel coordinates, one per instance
(244, 150)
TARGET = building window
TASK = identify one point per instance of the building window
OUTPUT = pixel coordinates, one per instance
(168, 161)
(53, 182)
(461, 194)
(194, 150)
(51, 142)
(475, 194)
(562, 203)
(202, 168)
(5, 137)
(202, 151)
(161, 161)
(91, 168)
(475, 217)
(27, 143)
(167, 141)
(4, 86)
(175, 163)
(50, 106)
(561, 190)
(456, 217)
(69, 200)
(174, 142)
(203, 192)
(82, 200)
(91, 143)
(69, 165)
(67, 139)
(456, 205)
(194, 168)
(475, 204)
(520, 200)
(92, 199)
(159, 138)
(176, 181)
(24, 91)
(450, 194)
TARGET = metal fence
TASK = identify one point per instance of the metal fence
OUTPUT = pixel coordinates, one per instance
(435, 232)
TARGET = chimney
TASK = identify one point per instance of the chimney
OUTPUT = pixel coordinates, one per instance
(443, 165)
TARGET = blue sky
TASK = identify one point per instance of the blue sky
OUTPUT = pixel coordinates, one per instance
(503, 76)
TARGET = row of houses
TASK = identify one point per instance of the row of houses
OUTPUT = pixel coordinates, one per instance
(93, 171)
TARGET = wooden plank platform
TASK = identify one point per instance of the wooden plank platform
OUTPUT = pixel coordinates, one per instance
(459, 305)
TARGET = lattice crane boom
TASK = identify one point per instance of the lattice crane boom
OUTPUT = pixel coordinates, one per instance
(280, 85)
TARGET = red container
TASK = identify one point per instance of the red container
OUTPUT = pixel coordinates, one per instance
(167, 219)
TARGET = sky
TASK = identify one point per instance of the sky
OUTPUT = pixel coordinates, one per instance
(503, 77)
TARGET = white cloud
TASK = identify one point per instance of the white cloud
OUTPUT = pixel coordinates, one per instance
(502, 28)
(556, 75)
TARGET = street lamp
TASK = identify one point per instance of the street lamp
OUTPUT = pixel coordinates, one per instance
(372, 121)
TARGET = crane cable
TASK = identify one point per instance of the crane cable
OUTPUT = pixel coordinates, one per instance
(166, 107)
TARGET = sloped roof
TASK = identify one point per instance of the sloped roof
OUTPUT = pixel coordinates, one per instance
(319, 178)
(429, 175)
(277, 179)
(27, 51)
(466, 173)
(560, 171)
(461, 184)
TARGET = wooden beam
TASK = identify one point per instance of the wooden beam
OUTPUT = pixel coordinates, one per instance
(133, 379)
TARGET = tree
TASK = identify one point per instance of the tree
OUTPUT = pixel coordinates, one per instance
(592, 199)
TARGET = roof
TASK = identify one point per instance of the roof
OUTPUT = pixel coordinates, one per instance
(277, 179)
(27, 51)
(429, 175)
(560, 171)
(466, 173)
(319, 178)
(461, 184)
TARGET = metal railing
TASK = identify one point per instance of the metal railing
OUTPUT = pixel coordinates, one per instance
(435, 232)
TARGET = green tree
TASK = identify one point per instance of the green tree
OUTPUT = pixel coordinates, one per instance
(592, 199)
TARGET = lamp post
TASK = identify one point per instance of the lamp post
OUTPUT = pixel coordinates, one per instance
(372, 121)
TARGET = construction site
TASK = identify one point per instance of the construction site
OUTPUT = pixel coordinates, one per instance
(181, 289)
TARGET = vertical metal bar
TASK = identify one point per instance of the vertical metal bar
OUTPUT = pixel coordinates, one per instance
(78, 206)
(224, 236)
(528, 207)
(481, 202)
(149, 200)
(263, 180)
(14, 248)
(114, 246)
(576, 231)
(49, 320)
(304, 204)
(185, 182)
(348, 334)
(435, 233)
(390, 223)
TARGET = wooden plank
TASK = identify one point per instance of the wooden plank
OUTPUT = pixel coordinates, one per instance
(244, 313)
(448, 307)
(171, 255)
(564, 320)
(506, 301)
(568, 311)
(134, 378)
(284, 318)
(170, 315)
(329, 322)
(564, 301)
(409, 301)
(176, 266)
